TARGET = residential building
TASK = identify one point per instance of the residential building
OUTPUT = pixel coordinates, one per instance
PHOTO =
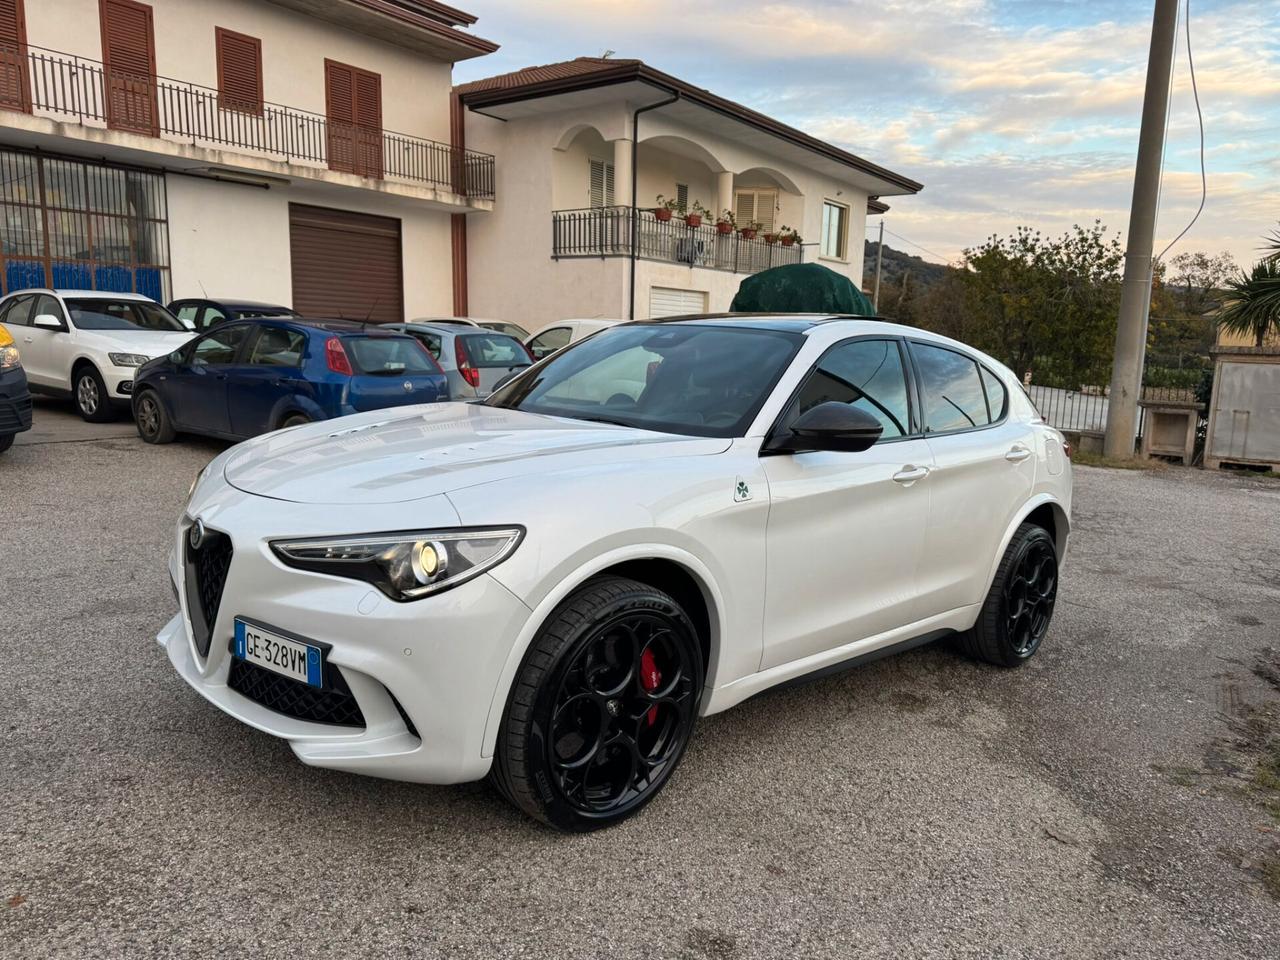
(291, 151)
(586, 148)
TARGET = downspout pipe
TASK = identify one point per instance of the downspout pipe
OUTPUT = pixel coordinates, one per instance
(635, 182)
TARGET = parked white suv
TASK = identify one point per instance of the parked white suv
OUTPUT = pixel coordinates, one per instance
(551, 585)
(87, 344)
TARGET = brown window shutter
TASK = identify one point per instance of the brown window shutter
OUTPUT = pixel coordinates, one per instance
(239, 71)
(353, 104)
(14, 91)
(129, 61)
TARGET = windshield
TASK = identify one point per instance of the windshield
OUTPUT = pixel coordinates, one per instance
(704, 381)
(389, 356)
(96, 314)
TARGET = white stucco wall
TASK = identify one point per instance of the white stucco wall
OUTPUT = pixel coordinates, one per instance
(231, 240)
(415, 88)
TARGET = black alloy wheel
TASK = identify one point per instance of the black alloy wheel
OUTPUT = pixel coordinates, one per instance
(1019, 606)
(603, 707)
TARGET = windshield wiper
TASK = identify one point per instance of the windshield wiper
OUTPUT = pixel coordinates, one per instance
(608, 420)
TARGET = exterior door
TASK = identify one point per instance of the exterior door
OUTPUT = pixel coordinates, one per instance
(984, 470)
(353, 99)
(15, 90)
(846, 530)
(345, 265)
(47, 354)
(129, 66)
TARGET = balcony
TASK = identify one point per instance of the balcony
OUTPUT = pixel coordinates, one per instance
(606, 232)
(64, 86)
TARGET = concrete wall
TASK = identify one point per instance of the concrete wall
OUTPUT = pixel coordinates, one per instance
(233, 241)
(415, 88)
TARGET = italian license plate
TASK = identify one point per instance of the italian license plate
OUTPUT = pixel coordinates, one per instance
(288, 657)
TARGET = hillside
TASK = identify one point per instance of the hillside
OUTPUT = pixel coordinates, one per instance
(924, 273)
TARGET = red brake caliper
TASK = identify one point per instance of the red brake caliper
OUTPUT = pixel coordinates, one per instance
(650, 677)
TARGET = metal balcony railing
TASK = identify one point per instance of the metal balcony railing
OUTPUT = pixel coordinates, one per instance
(46, 82)
(606, 232)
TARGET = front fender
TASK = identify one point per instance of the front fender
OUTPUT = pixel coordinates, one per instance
(566, 585)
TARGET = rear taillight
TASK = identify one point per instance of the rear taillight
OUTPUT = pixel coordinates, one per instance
(1066, 448)
(336, 356)
(469, 373)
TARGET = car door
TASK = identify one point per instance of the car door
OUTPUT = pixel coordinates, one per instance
(52, 351)
(846, 530)
(984, 469)
(197, 389)
(260, 385)
(31, 342)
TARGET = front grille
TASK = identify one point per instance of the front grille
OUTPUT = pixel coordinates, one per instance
(332, 704)
(206, 575)
(15, 414)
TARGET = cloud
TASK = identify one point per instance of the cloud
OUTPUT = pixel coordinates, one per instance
(1009, 111)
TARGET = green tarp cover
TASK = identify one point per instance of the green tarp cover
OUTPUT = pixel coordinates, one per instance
(800, 288)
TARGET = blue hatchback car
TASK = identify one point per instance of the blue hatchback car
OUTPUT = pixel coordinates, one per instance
(247, 377)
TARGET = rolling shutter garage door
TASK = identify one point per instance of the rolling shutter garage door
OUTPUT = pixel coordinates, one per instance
(670, 302)
(345, 264)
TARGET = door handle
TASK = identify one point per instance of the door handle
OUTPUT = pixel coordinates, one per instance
(1017, 453)
(29, 340)
(910, 474)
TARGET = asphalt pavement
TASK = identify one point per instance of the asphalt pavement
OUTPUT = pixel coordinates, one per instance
(1088, 805)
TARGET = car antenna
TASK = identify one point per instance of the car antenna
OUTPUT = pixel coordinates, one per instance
(203, 291)
(372, 308)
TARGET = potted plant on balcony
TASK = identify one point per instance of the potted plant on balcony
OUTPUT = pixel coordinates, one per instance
(789, 236)
(771, 238)
(749, 230)
(694, 217)
(725, 224)
(665, 208)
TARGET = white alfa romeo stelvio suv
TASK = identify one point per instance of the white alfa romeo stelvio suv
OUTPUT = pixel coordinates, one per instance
(651, 525)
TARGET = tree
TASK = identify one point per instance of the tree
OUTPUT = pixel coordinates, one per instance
(1045, 305)
(1195, 280)
(1253, 302)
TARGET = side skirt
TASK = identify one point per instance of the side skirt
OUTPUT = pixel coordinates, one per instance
(859, 661)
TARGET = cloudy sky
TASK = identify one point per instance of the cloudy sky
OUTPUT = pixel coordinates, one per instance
(1009, 111)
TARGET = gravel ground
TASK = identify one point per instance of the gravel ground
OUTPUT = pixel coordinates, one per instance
(921, 806)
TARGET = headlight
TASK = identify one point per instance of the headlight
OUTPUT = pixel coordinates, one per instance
(9, 357)
(128, 359)
(408, 565)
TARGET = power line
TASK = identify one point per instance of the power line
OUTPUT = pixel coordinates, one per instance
(917, 246)
(1204, 183)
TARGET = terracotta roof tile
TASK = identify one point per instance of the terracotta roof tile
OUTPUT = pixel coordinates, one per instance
(578, 67)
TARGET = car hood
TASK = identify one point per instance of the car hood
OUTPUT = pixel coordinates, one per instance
(151, 343)
(391, 456)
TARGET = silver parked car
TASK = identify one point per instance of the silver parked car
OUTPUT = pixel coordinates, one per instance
(474, 359)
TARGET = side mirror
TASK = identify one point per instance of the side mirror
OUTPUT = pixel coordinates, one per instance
(828, 426)
(175, 357)
(47, 321)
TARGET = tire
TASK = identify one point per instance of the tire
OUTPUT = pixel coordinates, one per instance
(602, 708)
(6, 441)
(151, 418)
(294, 420)
(89, 393)
(1019, 607)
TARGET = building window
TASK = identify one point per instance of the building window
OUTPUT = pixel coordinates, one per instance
(82, 225)
(682, 197)
(601, 183)
(835, 230)
(14, 86)
(755, 206)
(239, 71)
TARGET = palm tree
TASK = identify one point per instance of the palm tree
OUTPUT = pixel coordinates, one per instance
(1253, 301)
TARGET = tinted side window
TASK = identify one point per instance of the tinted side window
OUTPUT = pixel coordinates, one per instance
(429, 340)
(866, 374)
(187, 311)
(997, 395)
(218, 347)
(549, 341)
(277, 347)
(19, 312)
(953, 395)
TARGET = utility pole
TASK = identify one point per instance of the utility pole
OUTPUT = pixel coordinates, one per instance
(875, 292)
(1131, 331)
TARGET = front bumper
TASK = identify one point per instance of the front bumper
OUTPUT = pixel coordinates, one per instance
(15, 402)
(119, 382)
(439, 657)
